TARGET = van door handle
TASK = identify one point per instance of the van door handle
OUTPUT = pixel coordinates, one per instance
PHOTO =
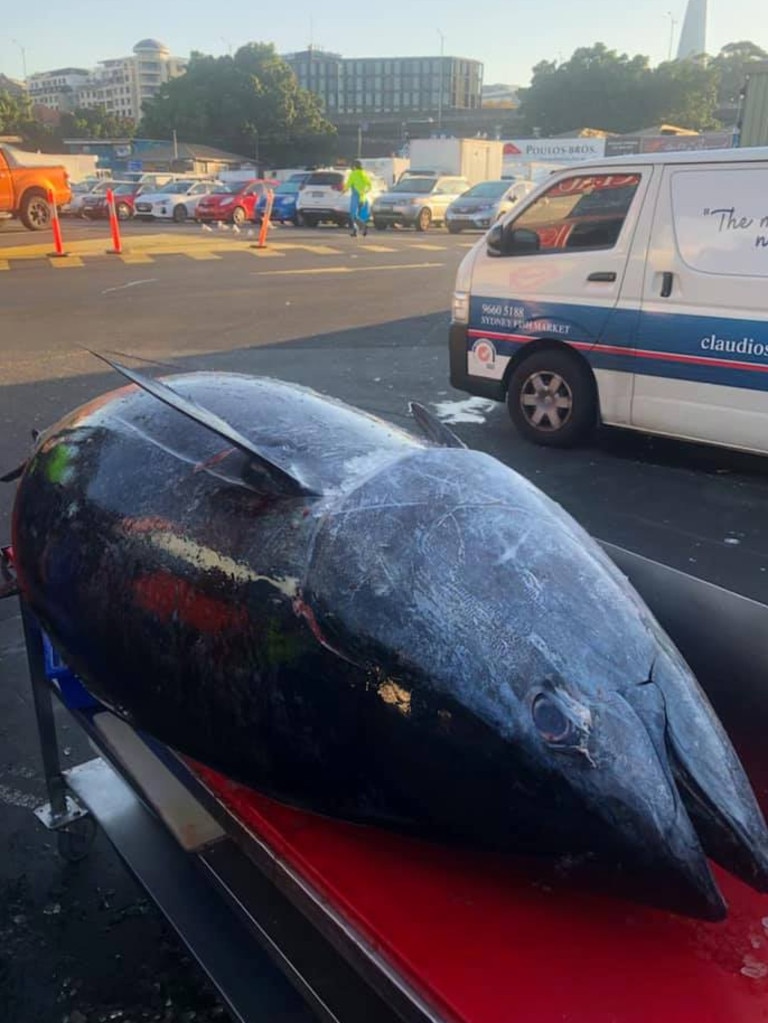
(666, 284)
(604, 276)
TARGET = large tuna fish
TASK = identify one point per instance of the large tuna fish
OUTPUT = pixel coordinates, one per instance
(377, 627)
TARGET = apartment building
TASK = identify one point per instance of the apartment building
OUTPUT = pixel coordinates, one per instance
(389, 85)
(120, 85)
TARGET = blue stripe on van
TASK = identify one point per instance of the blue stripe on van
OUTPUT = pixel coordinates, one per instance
(706, 349)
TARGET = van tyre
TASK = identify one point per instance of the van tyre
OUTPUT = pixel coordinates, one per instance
(552, 398)
(35, 213)
(380, 225)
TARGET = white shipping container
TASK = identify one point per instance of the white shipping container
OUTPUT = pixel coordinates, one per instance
(474, 159)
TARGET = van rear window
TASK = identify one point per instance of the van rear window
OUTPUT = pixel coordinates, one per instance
(720, 220)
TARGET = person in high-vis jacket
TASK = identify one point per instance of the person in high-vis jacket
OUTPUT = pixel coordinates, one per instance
(360, 185)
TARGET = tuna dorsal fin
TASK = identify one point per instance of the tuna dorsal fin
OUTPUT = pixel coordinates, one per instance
(433, 429)
(287, 483)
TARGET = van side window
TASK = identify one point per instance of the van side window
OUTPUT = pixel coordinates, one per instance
(582, 212)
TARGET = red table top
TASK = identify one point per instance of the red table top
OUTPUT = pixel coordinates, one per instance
(483, 944)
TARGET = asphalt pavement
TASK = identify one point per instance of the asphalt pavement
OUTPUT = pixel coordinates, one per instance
(365, 320)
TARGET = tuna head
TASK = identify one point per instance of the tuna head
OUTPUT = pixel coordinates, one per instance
(576, 726)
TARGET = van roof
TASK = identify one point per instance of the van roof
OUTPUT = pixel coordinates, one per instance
(706, 156)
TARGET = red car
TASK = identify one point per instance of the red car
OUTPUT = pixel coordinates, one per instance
(95, 205)
(234, 203)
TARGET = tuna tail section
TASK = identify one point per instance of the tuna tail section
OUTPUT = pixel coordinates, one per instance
(289, 484)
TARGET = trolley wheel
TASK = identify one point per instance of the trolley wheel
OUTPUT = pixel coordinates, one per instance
(74, 842)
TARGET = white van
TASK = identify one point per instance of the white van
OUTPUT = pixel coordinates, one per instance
(632, 291)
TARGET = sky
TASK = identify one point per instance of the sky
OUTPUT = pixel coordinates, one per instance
(509, 36)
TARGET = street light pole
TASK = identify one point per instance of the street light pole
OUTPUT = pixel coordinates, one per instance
(442, 71)
(23, 57)
(672, 23)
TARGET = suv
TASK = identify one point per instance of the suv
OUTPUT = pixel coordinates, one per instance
(417, 201)
(322, 198)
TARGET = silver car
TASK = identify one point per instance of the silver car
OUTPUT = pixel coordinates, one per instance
(483, 204)
(417, 201)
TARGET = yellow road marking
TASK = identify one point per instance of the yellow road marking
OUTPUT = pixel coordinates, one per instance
(378, 248)
(136, 257)
(4, 264)
(270, 252)
(427, 247)
(61, 264)
(317, 250)
(344, 269)
(200, 255)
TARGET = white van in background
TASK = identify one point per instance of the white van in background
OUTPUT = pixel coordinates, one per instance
(632, 291)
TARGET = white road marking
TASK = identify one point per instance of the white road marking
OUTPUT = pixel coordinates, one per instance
(130, 284)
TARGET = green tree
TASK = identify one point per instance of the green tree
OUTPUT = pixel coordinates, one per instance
(250, 104)
(94, 123)
(600, 88)
(596, 87)
(732, 63)
(685, 94)
(16, 116)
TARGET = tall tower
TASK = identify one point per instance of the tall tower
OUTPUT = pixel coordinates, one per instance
(693, 37)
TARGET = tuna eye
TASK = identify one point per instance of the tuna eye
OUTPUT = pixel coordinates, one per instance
(550, 720)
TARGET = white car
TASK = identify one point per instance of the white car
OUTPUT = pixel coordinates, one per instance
(177, 201)
(322, 198)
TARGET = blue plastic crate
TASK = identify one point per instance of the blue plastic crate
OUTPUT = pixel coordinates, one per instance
(73, 693)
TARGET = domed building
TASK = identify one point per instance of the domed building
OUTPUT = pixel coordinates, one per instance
(124, 84)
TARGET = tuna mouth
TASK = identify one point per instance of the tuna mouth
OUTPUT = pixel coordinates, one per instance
(730, 842)
(715, 813)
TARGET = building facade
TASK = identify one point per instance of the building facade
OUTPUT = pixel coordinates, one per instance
(57, 90)
(121, 85)
(393, 85)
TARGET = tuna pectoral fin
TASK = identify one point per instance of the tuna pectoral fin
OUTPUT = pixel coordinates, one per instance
(433, 429)
(287, 483)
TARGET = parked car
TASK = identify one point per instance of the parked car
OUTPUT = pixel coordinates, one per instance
(417, 201)
(177, 201)
(235, 202)
(286, 194)
(322, 198)
(79, 190)
(95, 204)
(483, 204)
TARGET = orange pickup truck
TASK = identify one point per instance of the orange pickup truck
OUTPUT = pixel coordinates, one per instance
(24, 188)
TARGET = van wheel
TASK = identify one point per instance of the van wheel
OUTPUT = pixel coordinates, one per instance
(179, 214)
(380, 225)
(309, 220)
(424, 219)
(552, 398)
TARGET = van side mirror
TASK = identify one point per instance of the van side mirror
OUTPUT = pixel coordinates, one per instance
(495, 240)
(517, 242)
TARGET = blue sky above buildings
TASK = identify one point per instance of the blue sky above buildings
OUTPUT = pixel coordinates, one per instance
(509, 36)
